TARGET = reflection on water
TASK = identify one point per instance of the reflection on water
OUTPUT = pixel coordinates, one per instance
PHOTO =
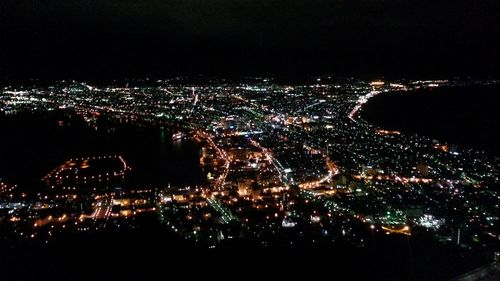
(31, 145)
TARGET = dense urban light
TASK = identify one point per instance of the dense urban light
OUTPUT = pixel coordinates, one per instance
(249, 139)
(277, 160)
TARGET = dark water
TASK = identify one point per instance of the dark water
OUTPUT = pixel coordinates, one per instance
(468, 116)
(32, 144)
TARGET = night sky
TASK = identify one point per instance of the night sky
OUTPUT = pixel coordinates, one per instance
(135, 38)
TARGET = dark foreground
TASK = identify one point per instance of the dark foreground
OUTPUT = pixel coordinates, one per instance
(151, 252)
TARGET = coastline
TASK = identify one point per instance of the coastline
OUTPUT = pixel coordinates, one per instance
(450, 114)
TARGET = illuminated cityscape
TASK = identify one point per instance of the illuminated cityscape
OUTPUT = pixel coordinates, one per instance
(249, 140)
(283, 166)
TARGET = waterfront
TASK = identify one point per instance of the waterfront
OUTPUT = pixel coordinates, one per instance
(33, 144)
(462, 115)
(292, 171)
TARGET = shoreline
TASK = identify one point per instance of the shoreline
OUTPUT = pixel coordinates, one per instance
(444, 114)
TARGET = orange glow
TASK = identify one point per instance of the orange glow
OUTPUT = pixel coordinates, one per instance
(386, 132)
(405, 230)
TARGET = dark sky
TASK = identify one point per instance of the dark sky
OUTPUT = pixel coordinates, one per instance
(115, 38)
